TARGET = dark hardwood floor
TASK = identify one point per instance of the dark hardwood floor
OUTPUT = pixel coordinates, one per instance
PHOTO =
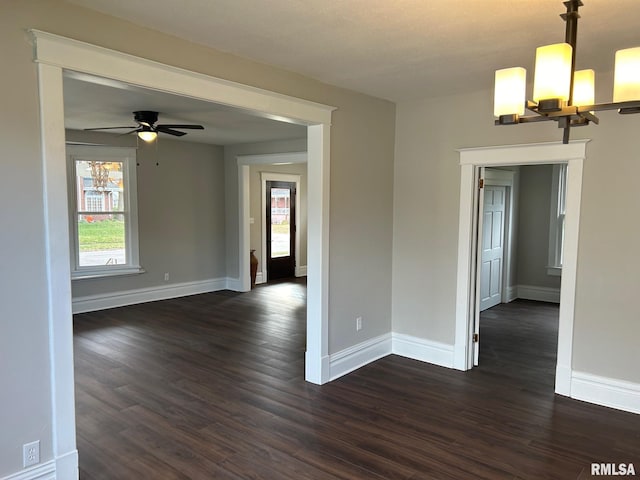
(212, 386)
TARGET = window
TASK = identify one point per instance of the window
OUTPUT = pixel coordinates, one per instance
(556, 219)
(103, 211)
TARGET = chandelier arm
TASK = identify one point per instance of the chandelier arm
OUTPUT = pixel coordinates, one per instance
(631, 105)
(571, 37)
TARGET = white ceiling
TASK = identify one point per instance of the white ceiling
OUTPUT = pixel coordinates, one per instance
(91, 102)
(398, 50)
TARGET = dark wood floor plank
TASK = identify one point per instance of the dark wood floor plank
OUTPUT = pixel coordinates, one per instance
(212, 386)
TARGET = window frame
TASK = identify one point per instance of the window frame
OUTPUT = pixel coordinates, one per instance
(127, 156)
(556, 219)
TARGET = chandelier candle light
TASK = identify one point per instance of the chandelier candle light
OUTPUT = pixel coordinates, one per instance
(561, 93)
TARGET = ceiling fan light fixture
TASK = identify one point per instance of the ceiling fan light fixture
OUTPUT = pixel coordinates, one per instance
(147, 135)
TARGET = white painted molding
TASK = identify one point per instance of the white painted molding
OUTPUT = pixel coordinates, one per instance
(527, 154)
(67, 466)
(607, 392)
(563, 380)
(273, 158)
(301, 271)
(46, 471)
(233, 284)
(59, 307)
(540, 294)
(359, 355)
(259, 278)
(92, 303)
(424, 350)
(471, 160)
(87, 58)
(511, 293)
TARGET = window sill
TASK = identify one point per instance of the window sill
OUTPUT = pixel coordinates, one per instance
(554, 271)
(85, 274)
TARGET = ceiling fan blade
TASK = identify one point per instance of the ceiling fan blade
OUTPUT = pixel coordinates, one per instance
(109, 128)
(192, 127)
(164, 129)
(130, 131)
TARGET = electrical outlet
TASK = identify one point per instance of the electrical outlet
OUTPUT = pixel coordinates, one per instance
(358, 324)
(31, 454)
(166, 277)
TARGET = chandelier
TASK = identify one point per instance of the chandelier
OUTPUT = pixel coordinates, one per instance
(560, 93)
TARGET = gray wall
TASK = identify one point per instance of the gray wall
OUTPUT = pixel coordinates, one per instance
(426, 201)
(362, 149)
(256, 211)
(181, 213)
(533, 227)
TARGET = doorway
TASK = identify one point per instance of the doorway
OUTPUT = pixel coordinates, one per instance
(54, 53)
(471, 161)
(280, 219)
(519, 203)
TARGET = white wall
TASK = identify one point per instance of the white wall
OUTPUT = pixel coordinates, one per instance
(426, 196)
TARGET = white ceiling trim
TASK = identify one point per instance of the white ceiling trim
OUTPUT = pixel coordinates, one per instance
(83, 57)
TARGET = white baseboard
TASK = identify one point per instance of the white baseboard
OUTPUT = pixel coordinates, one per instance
(540, 294)
(260, 278)
(359, 355)
(511, 294)
(67, 466)
(233, 284)
(45, 471)
(563, 380)
(423, 350)
(92, 303)
(606, 391)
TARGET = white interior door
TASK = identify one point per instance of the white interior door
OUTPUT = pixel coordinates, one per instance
(492, 246)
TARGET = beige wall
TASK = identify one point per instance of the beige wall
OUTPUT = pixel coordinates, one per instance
(426, 197)
(362, 148)
(533, 228)
(180, 213)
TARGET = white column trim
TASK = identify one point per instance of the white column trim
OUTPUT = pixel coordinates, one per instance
(471, 159)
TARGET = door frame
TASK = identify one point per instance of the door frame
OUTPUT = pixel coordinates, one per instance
(53, 53)
(573, 154)
(244, 239)
(278, 177)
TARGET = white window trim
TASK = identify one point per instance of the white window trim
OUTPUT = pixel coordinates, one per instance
(556, 219)
(106, 153)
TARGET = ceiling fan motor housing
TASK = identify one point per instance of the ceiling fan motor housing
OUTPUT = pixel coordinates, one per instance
(146, 116)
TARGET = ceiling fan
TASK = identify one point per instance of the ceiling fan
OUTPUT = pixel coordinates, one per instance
(147, 129)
